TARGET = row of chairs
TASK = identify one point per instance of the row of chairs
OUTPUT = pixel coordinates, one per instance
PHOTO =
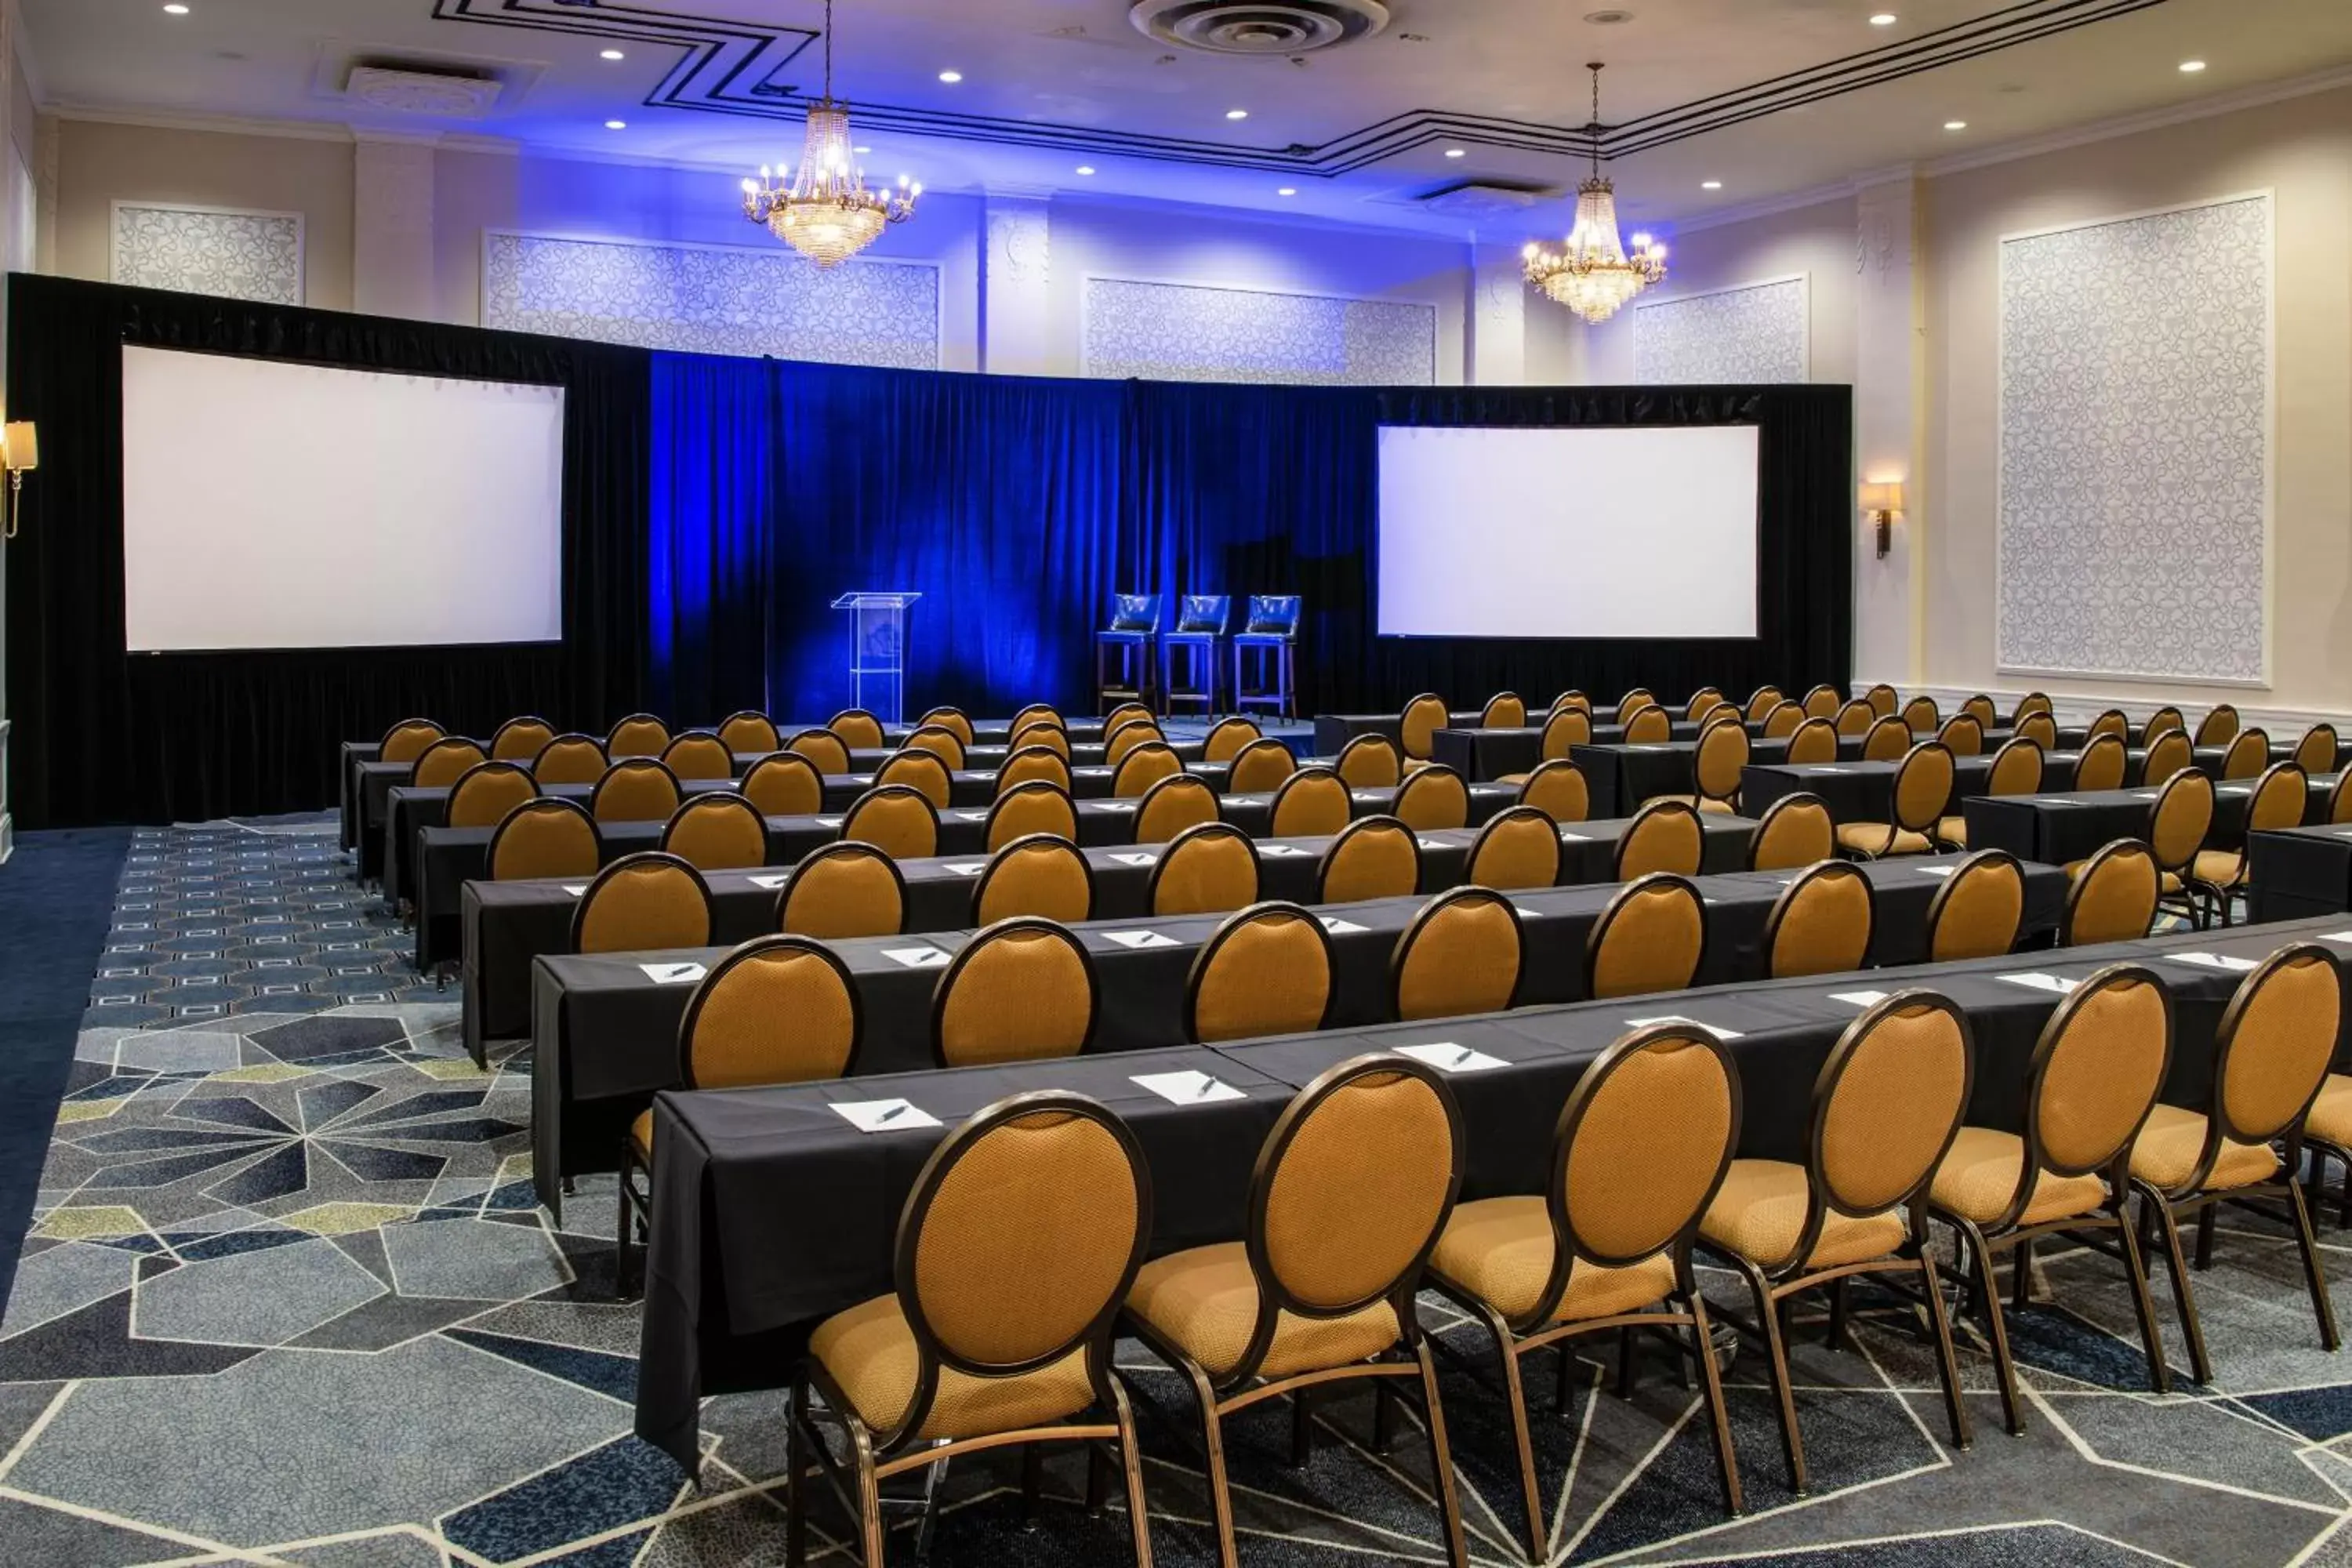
(1021, 1252)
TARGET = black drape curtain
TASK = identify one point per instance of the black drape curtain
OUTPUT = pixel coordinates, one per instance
(100, 735)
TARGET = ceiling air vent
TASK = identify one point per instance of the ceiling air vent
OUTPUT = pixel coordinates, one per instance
(409, 89)
(1259, 27)
(1473, 200)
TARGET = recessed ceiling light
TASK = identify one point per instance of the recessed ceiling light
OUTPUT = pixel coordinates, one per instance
(1457, 152)
(1237, 114)
(861, 150)
(1955, 125)
(175, 10)
(2192, 67)
(1288, 191)
(616, 125)
(1085, 168)
(1710, 185)
(614, 54)
(951, 78)
(1884, 19)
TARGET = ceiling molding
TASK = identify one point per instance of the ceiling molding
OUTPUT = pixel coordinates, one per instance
(195, 120)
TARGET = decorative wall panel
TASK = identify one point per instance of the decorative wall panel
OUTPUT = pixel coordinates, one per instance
(209, 250)
(2134, 446)
(724, 299)
(1193, 332)
(1758, 333)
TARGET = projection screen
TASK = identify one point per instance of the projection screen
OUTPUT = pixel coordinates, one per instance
(274, 505)
(1607, 533)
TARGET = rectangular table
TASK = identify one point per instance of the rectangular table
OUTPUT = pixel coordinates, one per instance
(1853, 791)
(605, 1028)
(1333, 730)
(2298, 873)
(772, 1212)
(2062, 828)
(1618, 777)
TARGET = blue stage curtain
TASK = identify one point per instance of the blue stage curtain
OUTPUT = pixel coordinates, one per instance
(710, 524)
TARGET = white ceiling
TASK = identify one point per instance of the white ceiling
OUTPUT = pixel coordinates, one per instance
(1499, 80)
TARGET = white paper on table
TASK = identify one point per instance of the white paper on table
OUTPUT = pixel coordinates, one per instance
(828, 822)
(2040, 982)
(2344, 833)
(1826, 768)
(1136, 857)
(2147, 794)
(1139, 938)
(672, 973)
(1186, 1087)
(577, 889)
(1678, 1018)
(1432, 843)
(1279, 851)
(1339, 927)
(916, 957)
(1365, 796)
(1938, 870)
(2344, 937)
(965, 868)
(771, 880)
(1115, 804)
(973, 816)
(2213, 961)
(1859, 998)
(1447, 1056)
(859, 778)
(1567, 837)
(1090, 773)
(883, 1115)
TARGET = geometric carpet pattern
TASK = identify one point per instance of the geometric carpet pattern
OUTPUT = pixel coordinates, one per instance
(288, 1299)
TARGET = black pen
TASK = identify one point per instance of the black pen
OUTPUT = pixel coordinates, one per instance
(889, 1114)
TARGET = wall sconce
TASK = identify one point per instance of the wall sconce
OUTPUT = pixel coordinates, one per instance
(1882, 499)
(20, 453)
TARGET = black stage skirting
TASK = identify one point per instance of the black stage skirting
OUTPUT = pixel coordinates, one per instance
(2303, 872)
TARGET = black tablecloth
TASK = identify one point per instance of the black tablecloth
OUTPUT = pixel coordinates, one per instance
(1855, 791)
(746, 1256)
(1333, 730)
(2299, 873)
(2062, 828)
(1618, 777)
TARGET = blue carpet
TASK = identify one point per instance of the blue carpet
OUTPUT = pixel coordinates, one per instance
(56, 902)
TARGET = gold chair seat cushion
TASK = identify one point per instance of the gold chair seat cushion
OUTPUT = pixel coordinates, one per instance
(1760, 1214)
(2331, 1114)
(2218, 866)
(641, 1135)
(870, 1354)
(1204, 1302)
(1978, 1177)
(1514, 778)
(1953, 830)
(1870, 838)
(2166, 1154)
(1500, 1250)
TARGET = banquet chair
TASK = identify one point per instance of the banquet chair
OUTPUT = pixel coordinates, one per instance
(1037, 875)
(1978, 911)
(1015, 1249)
(1126, 713)
(2177, 826)
(1886, 1107)
(2039, 728)
(1035, 712)
(1349, 1194)
(777, 1009)
(828, 749)
(1433, 797)
(2096, 1069)
(2102, 763)
(1226, 737)
(1518, 847)
(2111, 721)
(544, 837)
(405, 740)
(2219, 727)
(1703, 702)
(1266, 971)
(842, 889)
(1822, 702)
(2271, 1053)
(1962, 736)
(1650, 937)
(1649, 726)
(1503, 711)
(1607, 1244)
(1371, 857)
(1719, 763)
(1199, 625)
(1664, 835)
(1040, 736)
(2031, 703)
(1571, 698)
(1723, 709)
(719, 832)
(635, 789)
(1260, 766)
(520, 739)
(1922, 715)
(1557, 788)
(1460, 953)
(1922, 787)
(643, 902)
(1813, 741)
(2218, 876)
(1820, 923)
(952, 719)
(486, 792)
(1418, 725)
(1883, 700)
(784, 784)
(1761, 701)
(749, 731)
(1269, 635)
(2168, 754)
(638, 735)
(1130, 737)
(897, 820)
(1563, 731)
(1207, 869)
(1887, 739)
(699, 755)
(1172, 804)
(1855, 720)
(1781, 720)
(2111, 897)
(2163, 722)
(937, 739)
(924, 772)
(1021, 990)
(2315, 752)
(1033, 764)
(2247, 755)
(857, 729)
(1038, 805)
(1795, 831)
(570, 759)
(1123, 649)
(1142, 767)
(2339, 799)
(1632, 702)
(1369, 761)
(441, 764)
(1310, 803)
(1981, 708)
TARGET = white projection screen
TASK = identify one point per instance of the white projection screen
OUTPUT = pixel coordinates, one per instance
(267, 504)
(1587, 532)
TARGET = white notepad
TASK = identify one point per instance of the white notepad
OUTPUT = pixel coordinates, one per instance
(672, 973)
(1432, 843)
(771, 880)
(965, 868)
(1567, 837)
(1279, 851)
(1447, 1056)
(884, 1115)
(1859, 998)
(2344, 937)
(1186, 1087)
(2213, 961)
(1938, 870)
(1138, 938)
(2039, 982)
(916, 957)
(1678, 1018)
(1136, 857)
(577, 889)
(1339, 927)
(1115, 804)
(973, 816)
(828, 822)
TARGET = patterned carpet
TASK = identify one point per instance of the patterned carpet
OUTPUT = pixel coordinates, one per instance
(287, 1299)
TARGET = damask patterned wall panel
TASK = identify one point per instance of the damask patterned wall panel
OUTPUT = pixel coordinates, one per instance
(2134, 446)
(209, 250)
(725, 299)
(1755, 334)
(1193, 332)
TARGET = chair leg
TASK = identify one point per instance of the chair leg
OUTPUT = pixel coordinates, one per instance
(1628, 1362)
(2022, 1286)
(870, 1498)
(621, 1229)
(1996, 1326)
(1955, 1407)
(1522, 1434)
(2160, 1377)
(1768, 1318)
(1726, 1458)
(2184, 1300)
(1033, 1480)
(2320, 1305)
(1384, 1417)
(1441, 1460)
(1302, 1431)
(1836, 1340)
(2206, 1218)
(1131, 1457)
(1221, 1497)
(795, 1504)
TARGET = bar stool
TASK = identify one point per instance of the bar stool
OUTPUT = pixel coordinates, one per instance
(1134, 625)
(1271, 632)
(1200, 622)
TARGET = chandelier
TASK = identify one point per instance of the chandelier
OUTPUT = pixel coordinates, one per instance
(825, 211)
(1594, 275)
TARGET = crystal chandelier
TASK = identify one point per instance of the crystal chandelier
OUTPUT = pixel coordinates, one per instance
(1594, 277)
(825, 211)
